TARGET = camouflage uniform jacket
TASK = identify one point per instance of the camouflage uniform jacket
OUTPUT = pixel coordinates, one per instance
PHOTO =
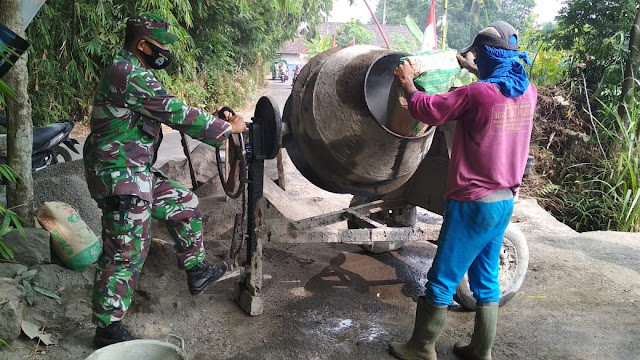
(129, 107)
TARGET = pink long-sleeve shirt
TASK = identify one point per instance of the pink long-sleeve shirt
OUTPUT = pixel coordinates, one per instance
(492, 136)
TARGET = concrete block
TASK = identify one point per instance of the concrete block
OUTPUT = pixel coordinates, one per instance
(251, 304)
(13, 309)
(33, 249)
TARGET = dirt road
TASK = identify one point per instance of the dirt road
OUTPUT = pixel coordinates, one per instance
(580, 299)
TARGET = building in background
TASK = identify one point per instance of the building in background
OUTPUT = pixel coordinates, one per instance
(294, 51)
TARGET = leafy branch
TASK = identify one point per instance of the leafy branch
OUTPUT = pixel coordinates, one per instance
(10, 219)
(25, 278)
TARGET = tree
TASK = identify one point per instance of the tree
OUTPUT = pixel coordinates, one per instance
(400, 43)
(19, 135)
(596, 32)
(628, 83)
(464, 17)
(222, 48)
(319, 44)
(353, 32)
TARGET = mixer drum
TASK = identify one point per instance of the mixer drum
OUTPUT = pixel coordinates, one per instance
(336, 115)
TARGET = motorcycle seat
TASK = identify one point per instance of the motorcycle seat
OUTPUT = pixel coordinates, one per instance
(42, 135)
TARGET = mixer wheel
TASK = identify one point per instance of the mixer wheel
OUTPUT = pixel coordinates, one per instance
(514, 260)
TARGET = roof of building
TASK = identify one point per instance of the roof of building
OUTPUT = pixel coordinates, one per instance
(296, 46)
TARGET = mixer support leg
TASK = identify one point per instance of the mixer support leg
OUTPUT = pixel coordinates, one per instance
(248, 292)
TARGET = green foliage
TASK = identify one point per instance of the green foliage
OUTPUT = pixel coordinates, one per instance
(25, 278)
(548, 189)
(400, 43)
(9, 218)
(596, 34)
(4, 88)
(318, 44)
(4, 343)
(222, 43)
(618, 180)
(549, 65)
(416, 33)
(605, 194)
(465, 17)
(353, 31)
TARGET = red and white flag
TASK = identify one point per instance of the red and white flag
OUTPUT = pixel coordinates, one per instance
(429, 41)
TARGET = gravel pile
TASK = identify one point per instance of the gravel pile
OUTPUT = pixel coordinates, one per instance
(65, 182)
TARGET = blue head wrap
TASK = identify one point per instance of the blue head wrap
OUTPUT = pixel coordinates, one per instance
(503, 68)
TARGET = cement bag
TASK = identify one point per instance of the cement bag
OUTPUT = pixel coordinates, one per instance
(435, 71)
(71, 239)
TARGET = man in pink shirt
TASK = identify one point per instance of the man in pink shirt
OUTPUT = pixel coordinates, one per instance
(490, 147)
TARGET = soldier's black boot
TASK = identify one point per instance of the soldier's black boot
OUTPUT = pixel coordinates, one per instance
(202, 275)
(114, 333)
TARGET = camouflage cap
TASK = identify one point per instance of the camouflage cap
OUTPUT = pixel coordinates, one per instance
(152, 26)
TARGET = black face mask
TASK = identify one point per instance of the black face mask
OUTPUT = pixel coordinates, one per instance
(159, 58)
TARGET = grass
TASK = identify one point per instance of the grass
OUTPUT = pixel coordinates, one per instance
(9, 218)
(605, 194)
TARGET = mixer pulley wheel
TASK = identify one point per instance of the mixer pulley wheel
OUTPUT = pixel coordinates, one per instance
(233, 175)
(267, 128)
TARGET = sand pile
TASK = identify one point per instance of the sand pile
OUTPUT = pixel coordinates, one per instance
(65, 182)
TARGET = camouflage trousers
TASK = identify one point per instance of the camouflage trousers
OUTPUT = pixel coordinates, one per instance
(126, 232)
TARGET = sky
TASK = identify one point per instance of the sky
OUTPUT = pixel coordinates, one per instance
(342, 12)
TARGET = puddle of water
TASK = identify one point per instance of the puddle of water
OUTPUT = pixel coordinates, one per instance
(300, 292)
(420, 262)
(387, 292)
(343, 324)
(372, 333)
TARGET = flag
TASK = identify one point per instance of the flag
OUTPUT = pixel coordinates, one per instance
(429, 41)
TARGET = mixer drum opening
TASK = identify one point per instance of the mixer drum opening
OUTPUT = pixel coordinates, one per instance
(334, 139)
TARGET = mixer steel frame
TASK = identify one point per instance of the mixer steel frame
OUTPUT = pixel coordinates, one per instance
(270, 214)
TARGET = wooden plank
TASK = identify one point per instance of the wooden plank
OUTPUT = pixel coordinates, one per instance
(337, 216)
(362, 221)
(280, 164)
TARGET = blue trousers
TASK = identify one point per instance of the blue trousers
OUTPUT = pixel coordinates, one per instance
(470, 240)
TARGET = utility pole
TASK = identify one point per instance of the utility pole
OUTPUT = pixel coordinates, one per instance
(384, 12)
(444, 25)
(20, 125)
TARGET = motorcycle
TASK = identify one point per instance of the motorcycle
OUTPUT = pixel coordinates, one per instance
(284, 76)
(295, 77)
(47, 144)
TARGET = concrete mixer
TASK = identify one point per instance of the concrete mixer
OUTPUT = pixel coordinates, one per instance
(334, 130)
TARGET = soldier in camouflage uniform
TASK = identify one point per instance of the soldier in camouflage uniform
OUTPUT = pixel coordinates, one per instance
(129, 108)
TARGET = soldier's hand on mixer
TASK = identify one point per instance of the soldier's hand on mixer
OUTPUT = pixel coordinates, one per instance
(224, 115)
(237, 124)
(404, 73)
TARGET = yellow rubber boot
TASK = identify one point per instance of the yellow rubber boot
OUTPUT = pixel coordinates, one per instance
(430, 320)
(484, 332)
